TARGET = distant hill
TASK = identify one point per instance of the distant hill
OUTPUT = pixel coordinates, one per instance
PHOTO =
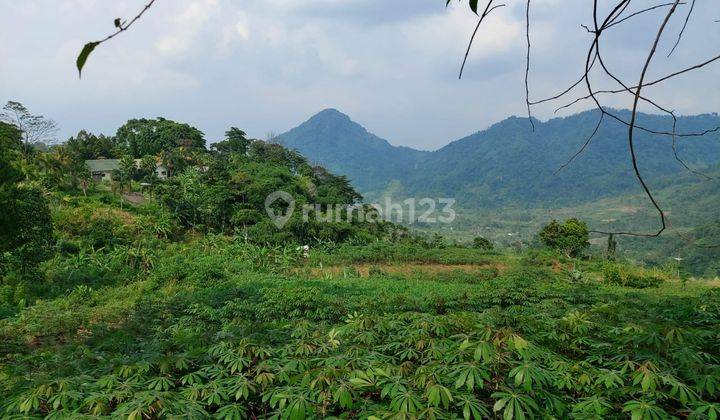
(508, 163)
(343, 146)
(505, 180)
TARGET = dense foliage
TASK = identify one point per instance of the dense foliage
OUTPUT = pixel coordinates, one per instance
(222, 328)
(482, 243)
(571, 237)
(509, 163)
(151, 136)
(25, 225)
(218, 191)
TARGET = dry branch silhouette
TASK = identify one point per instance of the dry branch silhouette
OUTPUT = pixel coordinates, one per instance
(600, 26)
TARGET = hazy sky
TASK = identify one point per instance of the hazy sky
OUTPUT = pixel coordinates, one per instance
(267, 65)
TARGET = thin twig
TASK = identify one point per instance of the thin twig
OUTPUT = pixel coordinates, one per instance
(682, 31)
(654, 82)
(123, 28)
(631, 129)
(582, 149)
(640, 12)
(486, 12)
(527, 65)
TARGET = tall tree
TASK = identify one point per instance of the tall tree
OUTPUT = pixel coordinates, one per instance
(25, 224)
(89, 146)
(570, 238)
(151, 136)
(34, 129)
(236, 141)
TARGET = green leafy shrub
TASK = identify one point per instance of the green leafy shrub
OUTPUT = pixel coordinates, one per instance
(95, 226)
(67, 247)
(482, 243)
(571, 237)
(158, 222)
(622, 276)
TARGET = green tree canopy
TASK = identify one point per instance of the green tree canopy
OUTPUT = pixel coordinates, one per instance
(228, 194)
(87, 145)
(151, 136)
(10, 144)
(236, 141)
(25, 224)
(571, 237)
(482, 243)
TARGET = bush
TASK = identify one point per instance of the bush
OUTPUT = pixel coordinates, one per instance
(95, 226)
(621, 276)
(482, 243)
(159, 222)
(67, 247)
(26, 229)
(543, 258)
(570, 238)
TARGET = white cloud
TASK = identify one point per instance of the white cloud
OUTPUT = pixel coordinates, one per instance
(238, 31)
(185, 27)
(435, 33)
(266, 64)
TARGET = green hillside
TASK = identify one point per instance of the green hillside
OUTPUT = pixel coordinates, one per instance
(509, 163)
(331, 139)
(691, 205)
(506, 182)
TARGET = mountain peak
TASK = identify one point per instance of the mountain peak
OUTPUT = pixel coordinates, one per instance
(330, 114)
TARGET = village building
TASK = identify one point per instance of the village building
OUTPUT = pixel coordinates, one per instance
(102, 169)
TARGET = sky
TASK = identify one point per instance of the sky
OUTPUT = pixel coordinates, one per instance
(267, 65)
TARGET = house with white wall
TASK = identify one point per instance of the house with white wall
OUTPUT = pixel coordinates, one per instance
(102, 169)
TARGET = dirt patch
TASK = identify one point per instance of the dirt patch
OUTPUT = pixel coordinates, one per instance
(134, 198)
(629, 209)
(404, 270)
(558, 267)
(714, 283)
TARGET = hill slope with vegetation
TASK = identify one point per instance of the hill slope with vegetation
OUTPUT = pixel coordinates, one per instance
(330, 138)
(507, 183)
(510, 163)
(189, 303)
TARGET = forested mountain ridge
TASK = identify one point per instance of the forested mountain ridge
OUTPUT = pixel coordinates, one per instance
(510, 163)
(346, 147)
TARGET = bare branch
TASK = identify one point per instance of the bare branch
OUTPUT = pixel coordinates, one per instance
(654, 82)
(631, 129)
(487, 11)
(639, 13)
(582, 149)
(527, 65)
(682, 31)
